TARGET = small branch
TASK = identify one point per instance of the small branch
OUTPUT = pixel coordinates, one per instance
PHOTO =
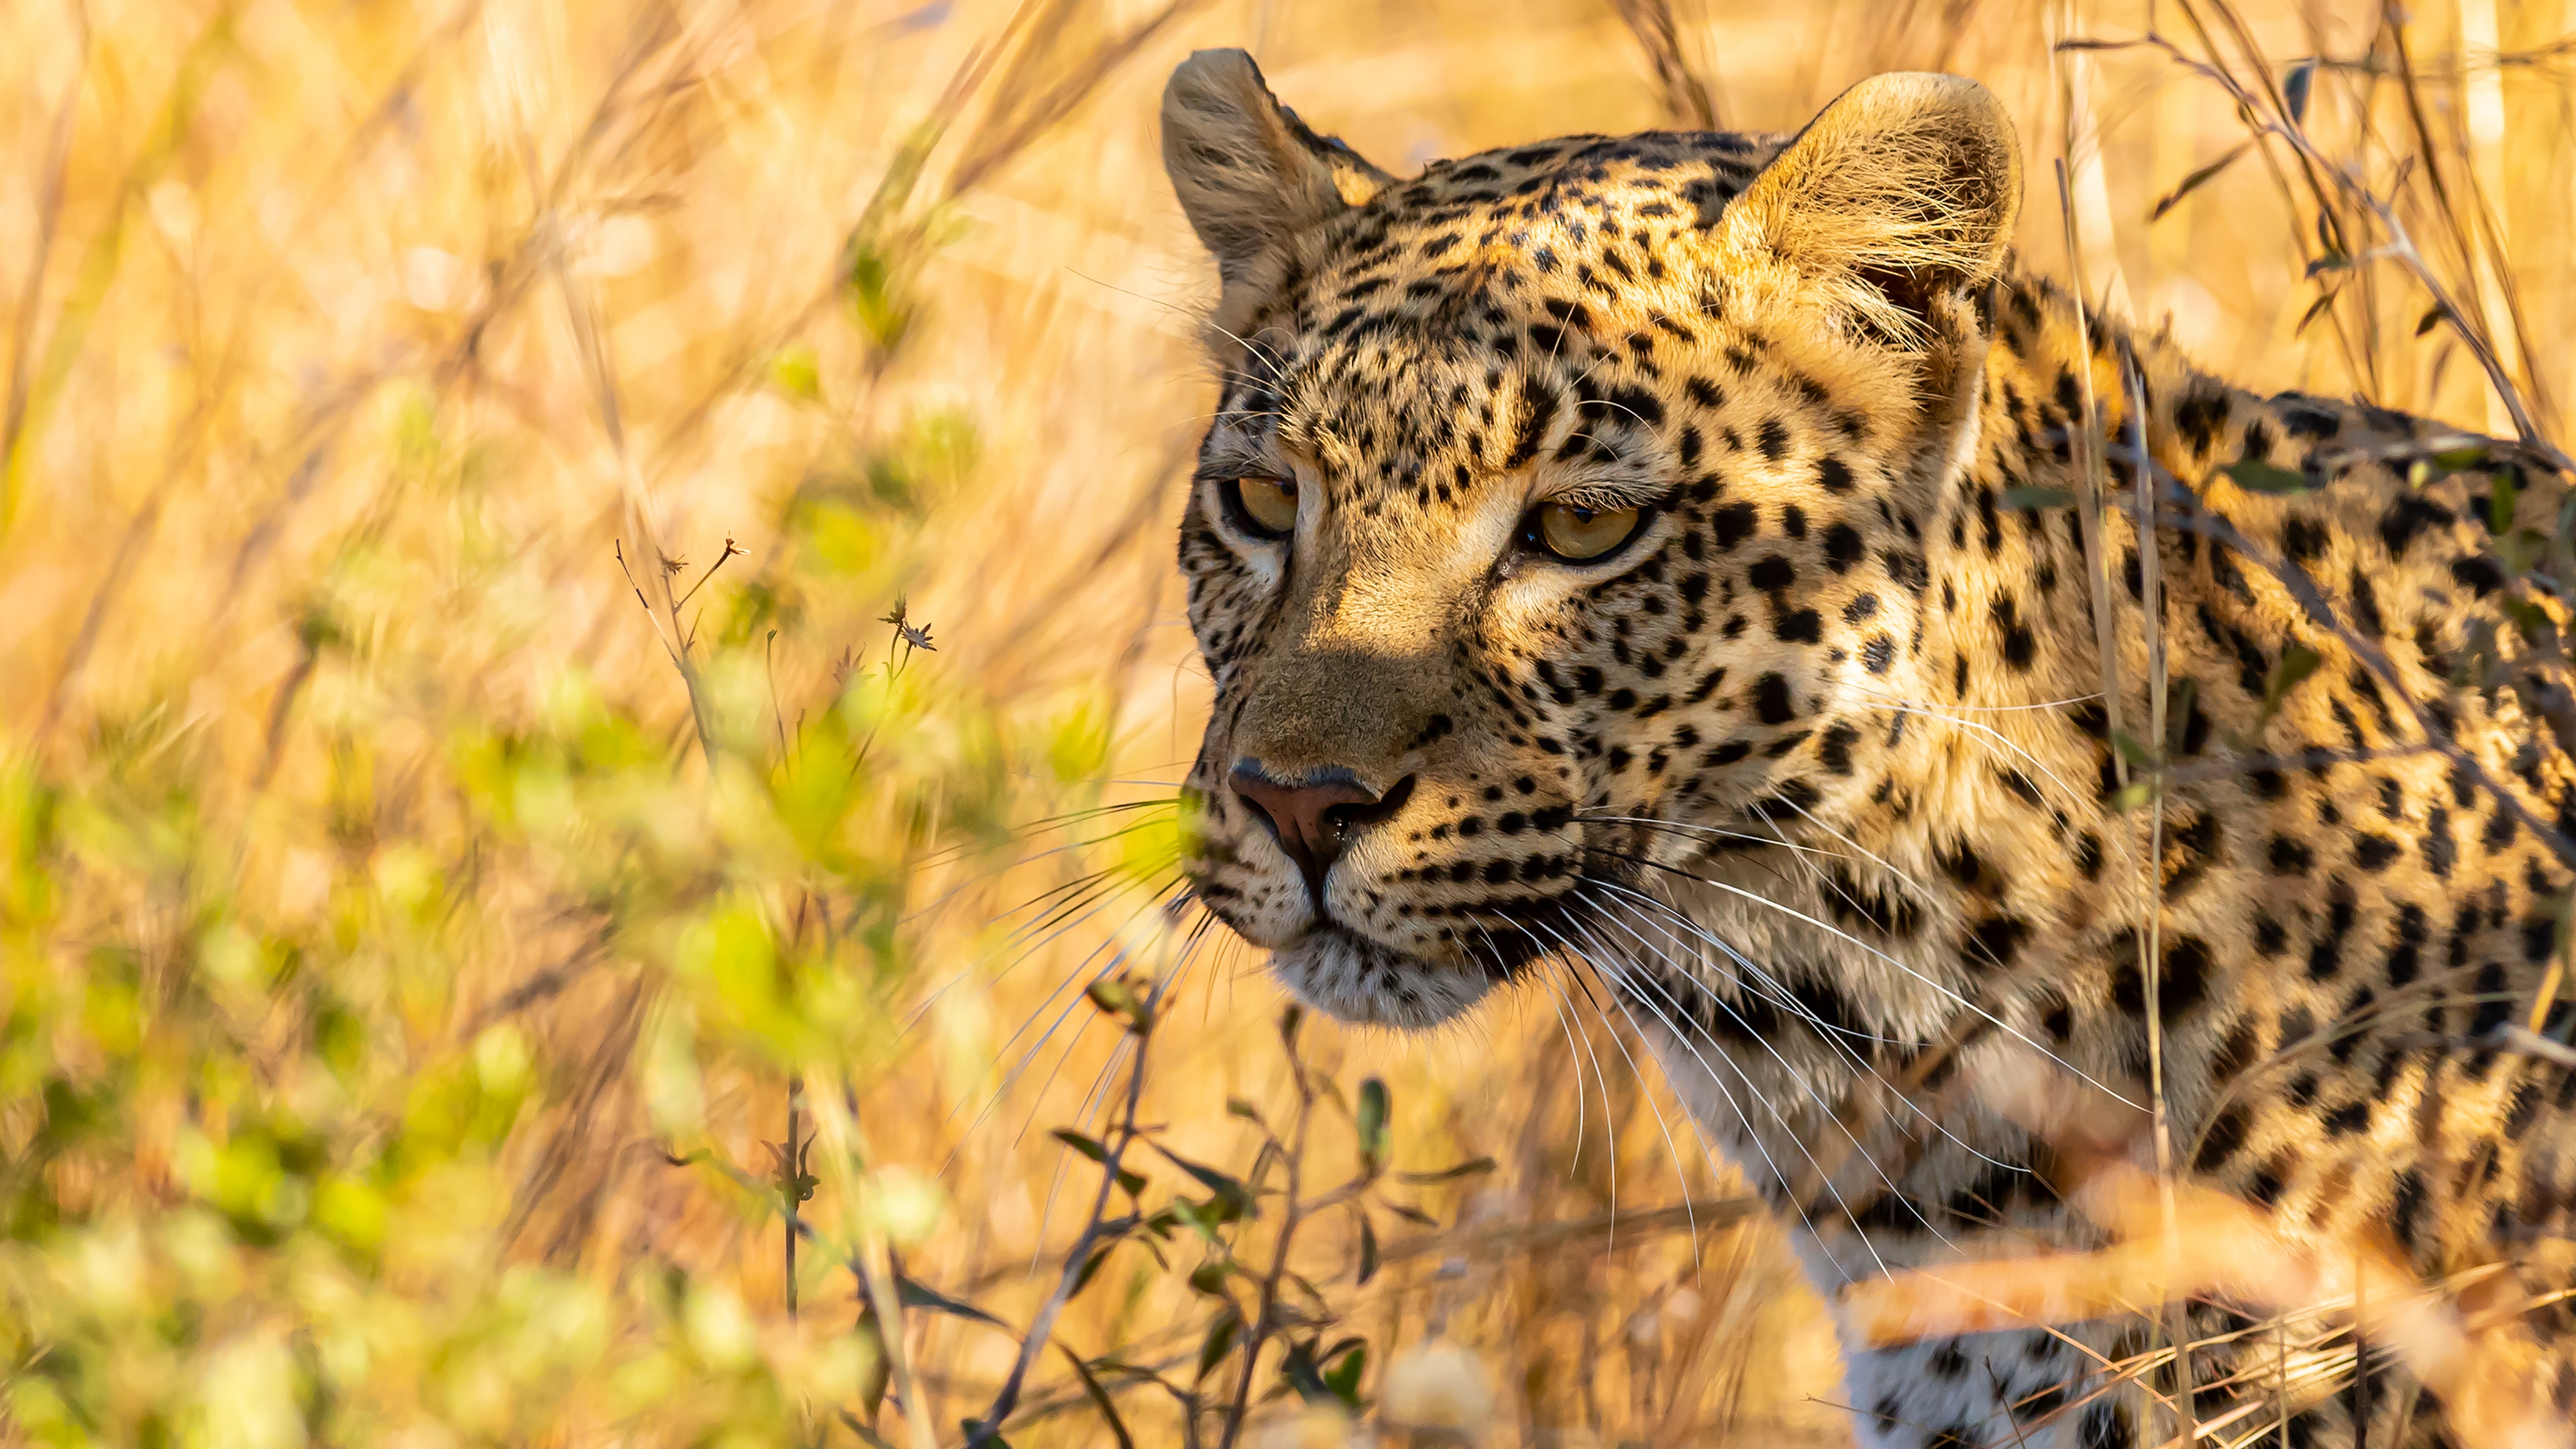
(1687, 101)
(1258, 1332)
(655, 587)
(792, 1166)
(1043, 1325)
(730, 551)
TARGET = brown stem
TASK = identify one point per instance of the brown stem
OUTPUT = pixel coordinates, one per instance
(1043, 1326)
(1262, 1323)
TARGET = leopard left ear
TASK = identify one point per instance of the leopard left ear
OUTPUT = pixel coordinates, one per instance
(1248, 172)
(1898, 201)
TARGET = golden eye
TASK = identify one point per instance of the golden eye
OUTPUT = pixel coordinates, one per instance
(1269, 504)
(1577, 534)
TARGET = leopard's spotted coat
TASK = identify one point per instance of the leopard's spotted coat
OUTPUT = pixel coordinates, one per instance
(1817, 768)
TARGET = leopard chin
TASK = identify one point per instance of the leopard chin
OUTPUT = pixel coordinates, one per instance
(1353, 979)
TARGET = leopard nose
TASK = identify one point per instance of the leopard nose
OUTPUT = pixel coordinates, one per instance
(1315, 814)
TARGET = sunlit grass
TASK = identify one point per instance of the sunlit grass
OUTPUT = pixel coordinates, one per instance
(459, 764)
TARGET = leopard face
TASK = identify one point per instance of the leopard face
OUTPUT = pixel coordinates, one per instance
(1551, 497)
(1690, 555)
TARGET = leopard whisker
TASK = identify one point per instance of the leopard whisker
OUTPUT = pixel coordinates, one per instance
(1022, 946)
(1002, 1090)
(1576, 958)
(1817, 1097)
(1785, 1000)
(1683, 827)
(1574, 1059)
(1943, 989)
(1779, 1117)
(1952, 711)
(2008, 749)
(1825, 1032)
(1700, 1135)
(1754, 1138)
(1095, 1096)
(1609, 1123)
(1865, 853)
(1120, 956)
(1763, 985)
(931, 907)
(1833, 1036)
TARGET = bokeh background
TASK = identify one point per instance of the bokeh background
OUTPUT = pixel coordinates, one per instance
(469, 801)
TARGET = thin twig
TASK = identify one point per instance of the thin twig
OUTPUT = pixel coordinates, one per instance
(1265, 1319)
(49, 217)
(2151, 941)
(1113, 1156)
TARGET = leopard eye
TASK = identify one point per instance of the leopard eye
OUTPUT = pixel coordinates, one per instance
(1265, 506)
(1579, 535)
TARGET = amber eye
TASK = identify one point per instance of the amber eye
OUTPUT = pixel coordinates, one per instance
(1577, 534)
(1267, 506)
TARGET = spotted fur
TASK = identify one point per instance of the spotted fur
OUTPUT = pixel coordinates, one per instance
(1818, 769)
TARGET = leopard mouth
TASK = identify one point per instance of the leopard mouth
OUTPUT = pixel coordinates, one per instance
(1355, 979)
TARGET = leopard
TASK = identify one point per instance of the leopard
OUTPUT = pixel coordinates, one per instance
(1924, 700)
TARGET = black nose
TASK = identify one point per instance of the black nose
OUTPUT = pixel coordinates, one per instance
(1316, 814)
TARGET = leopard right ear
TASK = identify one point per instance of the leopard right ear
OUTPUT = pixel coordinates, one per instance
(1249, 174)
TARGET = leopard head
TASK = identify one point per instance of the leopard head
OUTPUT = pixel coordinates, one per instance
(1550, 495)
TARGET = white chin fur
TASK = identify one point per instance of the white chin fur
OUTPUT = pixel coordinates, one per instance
(1366, 984)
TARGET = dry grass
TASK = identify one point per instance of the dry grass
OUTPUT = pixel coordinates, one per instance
(343, 345)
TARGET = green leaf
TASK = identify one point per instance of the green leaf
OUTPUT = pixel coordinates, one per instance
(1118, 997)
(1343, 1379)
(2431, 319)
(1410, 1213)
(1209, 1278)
(2038, 498)
(1130, 1182)
(2256, 476)
(915, 1295)
(1090, 1270)
(2520, 552)
(1231, 1195)
(2500, 503)
(794, 372)
(1220, 1339)
(2297, 662)
(1299, 1369)
(1371, 1118)
(1368, 1248)
(1203, 1221)
(1099, 1398)
(2131, 798)
(2330, 262)
(1469, 1168)
(2132, 751)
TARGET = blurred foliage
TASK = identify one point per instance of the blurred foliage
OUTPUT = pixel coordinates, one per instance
(423, 1020)
(257, 1192)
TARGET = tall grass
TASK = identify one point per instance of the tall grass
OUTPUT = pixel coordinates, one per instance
(588, 668)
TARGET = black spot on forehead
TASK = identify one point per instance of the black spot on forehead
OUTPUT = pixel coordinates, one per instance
(1492, 226)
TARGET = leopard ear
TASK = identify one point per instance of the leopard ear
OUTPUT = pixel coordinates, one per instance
(1248, 172)
(1897, 199)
